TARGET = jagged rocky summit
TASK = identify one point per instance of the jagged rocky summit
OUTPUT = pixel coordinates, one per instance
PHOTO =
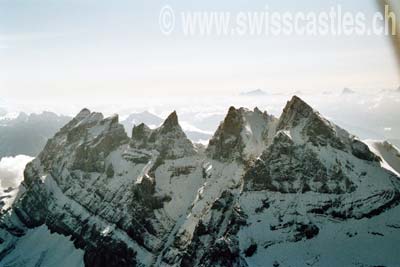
(290, 191)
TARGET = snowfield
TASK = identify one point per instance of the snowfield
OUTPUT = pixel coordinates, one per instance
(365, 242)
(389, 153)
(39, 247)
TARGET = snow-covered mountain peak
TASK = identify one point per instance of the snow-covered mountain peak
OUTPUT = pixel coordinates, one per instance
(171, 124)
(172, 119)
(294, 113)
(92, 124)
(313, 153)
(84, 119)
(169, 139)
(88, 139)
(305, 125)
(242, 135)
(83, 114)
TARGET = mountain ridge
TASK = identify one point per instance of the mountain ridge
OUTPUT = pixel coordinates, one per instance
(155, 199)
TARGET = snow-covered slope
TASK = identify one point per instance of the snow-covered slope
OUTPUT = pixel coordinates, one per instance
(293, 191)
(243, 135)
(40, 247)
(389, 154)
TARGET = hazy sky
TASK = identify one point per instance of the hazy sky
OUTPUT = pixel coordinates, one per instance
(79, 48)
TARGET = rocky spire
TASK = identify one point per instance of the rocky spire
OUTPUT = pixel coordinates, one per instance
(169, 139)
(299, 117)
(295, 111)
(171, 123)
(83, 113)
(233, 122)
(243, 134)
(140, 135)
(172, 119)
(88, 133)
(140, 132)
(317, 130)
(257, 110)
(225, 143)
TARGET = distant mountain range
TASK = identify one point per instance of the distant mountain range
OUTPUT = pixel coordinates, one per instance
(391, 90)
(27, 134)
(256, 92)
(348, 91)
(145, 117)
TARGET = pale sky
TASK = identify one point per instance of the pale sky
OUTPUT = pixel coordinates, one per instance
(101, 48)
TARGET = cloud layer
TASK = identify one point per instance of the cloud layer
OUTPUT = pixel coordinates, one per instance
(11, 170)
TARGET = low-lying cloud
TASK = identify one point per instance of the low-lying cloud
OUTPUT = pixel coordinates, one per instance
(11, 170)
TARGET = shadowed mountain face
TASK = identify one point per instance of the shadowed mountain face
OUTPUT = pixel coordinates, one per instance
(27, 134)
(262, 185)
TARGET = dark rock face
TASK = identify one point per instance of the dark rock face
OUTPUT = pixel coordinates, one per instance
(334, 208)
(288, 168)
(171, 123)
(33, 207)
(362, 151)
(89, 154)
(295, 110)
(250, 250)
(110, 254)
(307, 231)
(226, 143)
(222, 248)
(169, 139)
(242, 135)
(141, 134)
